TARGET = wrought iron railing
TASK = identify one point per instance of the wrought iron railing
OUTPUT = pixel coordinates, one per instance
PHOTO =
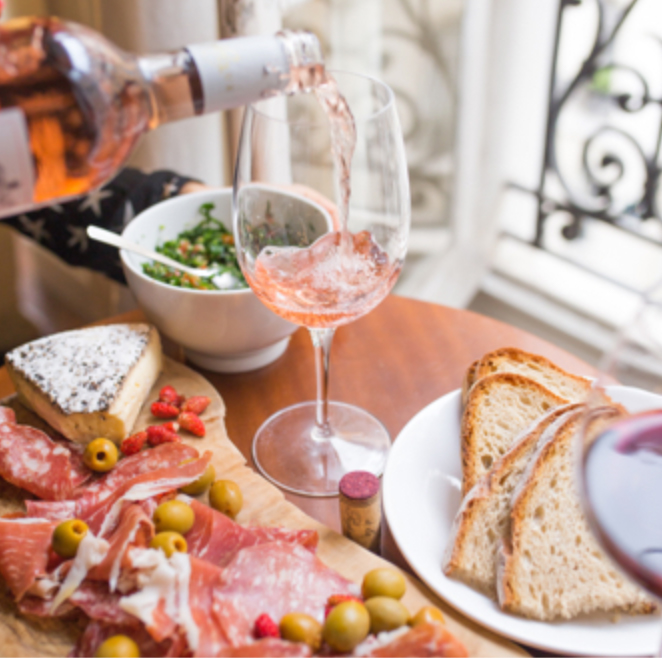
(597, 201)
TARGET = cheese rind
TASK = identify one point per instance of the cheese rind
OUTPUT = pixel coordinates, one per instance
(90, 382)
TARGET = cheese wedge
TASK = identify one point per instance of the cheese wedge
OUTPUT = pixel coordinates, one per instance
(90, 382)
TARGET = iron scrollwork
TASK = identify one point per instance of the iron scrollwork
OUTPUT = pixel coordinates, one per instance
(610, 151)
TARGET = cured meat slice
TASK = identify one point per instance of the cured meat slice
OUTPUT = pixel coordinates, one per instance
(102, 513)
(97, 632)
(7, 415)
(98, 603)
(423, 640)
(59, 510)
(24, 552)
(127, 469)
(267, 647)
(135, 529)
(275, 578)
(217, 538)
(32, 461)
(104, 516)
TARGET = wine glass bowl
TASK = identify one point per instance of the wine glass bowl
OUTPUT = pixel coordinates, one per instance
(620, 448)
(321, 257)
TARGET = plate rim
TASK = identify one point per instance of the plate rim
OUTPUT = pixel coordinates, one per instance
(467, 612)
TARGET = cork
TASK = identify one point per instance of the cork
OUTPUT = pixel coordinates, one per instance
(361, 509)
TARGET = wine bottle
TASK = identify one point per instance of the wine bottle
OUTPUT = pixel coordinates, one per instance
(73, 106)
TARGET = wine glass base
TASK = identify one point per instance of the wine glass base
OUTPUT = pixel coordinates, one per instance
(289, 451)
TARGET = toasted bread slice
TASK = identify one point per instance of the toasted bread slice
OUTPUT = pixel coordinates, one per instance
(538, 368)
(550, 566)
(499, 407)
(482, 520)
(469, 380)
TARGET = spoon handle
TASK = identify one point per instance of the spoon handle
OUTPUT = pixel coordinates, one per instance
(108, 237)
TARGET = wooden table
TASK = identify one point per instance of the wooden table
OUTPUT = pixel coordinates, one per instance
(393, 362)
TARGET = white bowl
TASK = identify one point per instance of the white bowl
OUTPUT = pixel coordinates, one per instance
(220, 330)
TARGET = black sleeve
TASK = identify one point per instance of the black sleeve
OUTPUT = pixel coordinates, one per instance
(61, 228)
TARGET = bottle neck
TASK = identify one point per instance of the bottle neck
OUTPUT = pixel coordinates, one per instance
(173, 87)
(225, 74)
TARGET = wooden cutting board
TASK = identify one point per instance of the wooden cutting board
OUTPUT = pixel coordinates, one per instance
(264, 504)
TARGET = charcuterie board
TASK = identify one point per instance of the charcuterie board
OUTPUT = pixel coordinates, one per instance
(264, 504)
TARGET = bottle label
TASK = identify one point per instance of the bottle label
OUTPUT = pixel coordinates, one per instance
(240, 71)
(16, 168)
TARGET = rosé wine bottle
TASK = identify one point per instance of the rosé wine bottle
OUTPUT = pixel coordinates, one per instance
(73, 105)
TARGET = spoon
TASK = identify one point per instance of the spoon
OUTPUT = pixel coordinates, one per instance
(222, 281)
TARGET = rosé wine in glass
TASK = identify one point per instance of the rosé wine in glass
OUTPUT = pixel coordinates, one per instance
(321, 253)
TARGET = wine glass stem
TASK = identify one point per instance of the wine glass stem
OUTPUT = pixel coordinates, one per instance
(322, 339)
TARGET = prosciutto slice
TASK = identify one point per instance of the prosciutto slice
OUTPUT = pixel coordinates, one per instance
(7, 415)
(423, 640)
(32, 461)
(102, 513)
(97, 632)
(267, 647)
(24, 552)
(216, 538)
(275, 578)
(93, 494)
(135, 529)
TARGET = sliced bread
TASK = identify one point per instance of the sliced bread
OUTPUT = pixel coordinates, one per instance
(550, 566)
(482, 520)
(533, 366)
(499, 407)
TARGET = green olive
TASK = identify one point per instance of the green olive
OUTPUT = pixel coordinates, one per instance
(100, 455)
(428, 614)
(386, 614)
(383, 582)
(346, 626)
(169, 542)
(173, 515)
(225, 496)
(200, 485)
(299, 627)
(118, 646)
(67, 535)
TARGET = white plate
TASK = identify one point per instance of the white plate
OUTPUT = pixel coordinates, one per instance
(421, 492)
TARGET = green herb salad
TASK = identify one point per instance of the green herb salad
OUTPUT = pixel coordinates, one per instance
(208, 244)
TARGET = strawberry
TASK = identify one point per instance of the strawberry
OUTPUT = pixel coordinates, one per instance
(158, 434)
(134, 443)
(180, 401)
(335, 599)
(169, 394)
(191, 423)
(196, 404)
(265, 626)
(171, 425)
(164, 410)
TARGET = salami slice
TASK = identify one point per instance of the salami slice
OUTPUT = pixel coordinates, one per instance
(24, 552)
(274, 578)
(32, 461)
(216, 538)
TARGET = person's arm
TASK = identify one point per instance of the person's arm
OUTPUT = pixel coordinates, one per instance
(62, 229)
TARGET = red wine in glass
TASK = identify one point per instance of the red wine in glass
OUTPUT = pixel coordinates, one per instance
(622, 480)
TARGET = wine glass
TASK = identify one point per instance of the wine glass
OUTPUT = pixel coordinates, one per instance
(319, 257)
(621, 449)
